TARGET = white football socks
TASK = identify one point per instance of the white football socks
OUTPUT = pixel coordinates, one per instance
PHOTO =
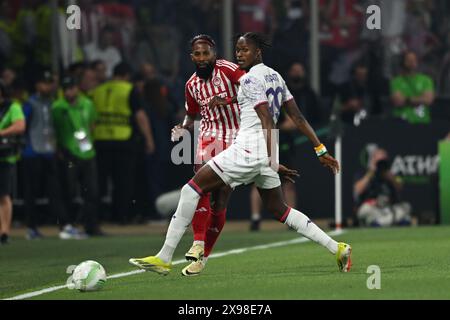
(180, 221)
(303, 225)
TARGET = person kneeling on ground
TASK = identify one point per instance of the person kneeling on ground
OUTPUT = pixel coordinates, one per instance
(377, 194)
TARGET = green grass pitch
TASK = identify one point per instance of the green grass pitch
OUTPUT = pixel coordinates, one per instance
(414, 264)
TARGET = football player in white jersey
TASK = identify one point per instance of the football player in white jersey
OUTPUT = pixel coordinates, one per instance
(252, 159)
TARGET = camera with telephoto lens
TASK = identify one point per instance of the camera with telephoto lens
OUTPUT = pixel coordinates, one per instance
(11, 146)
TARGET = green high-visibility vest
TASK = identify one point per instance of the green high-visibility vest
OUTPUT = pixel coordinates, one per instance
(111, 100)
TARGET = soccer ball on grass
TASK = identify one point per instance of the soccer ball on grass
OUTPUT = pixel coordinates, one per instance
(88, 276)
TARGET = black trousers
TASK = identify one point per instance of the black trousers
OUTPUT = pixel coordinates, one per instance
(40, 178)
(80, 179)
(117, 164)
(6, 178)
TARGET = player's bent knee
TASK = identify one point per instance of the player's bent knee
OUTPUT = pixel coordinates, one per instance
(190, 187)
(277, 210)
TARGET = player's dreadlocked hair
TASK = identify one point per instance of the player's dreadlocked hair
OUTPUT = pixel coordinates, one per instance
(258, 39)
(203, 38)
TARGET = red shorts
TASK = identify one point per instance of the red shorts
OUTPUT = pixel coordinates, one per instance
(208, 148)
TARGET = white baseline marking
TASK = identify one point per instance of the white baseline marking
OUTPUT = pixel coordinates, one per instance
(214, 255)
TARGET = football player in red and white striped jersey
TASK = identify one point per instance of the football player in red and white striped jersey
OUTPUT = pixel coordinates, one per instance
(211, 92)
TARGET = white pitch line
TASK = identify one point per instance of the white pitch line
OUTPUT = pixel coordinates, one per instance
(214, 255)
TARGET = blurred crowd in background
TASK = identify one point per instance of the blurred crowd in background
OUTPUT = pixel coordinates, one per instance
(144, 45)
(157, 33)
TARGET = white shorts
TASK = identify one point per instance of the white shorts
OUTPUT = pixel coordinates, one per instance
(237, 166)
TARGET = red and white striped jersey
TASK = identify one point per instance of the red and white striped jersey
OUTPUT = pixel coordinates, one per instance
(221, 122)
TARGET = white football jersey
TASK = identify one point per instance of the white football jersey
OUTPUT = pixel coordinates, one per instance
(260, 85)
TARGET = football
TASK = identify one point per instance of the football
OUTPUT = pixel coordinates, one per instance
(88, 276)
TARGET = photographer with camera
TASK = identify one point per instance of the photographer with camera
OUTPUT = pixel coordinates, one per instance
(377, 195)
(12, 126)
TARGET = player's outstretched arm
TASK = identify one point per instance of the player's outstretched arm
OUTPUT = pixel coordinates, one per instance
(303, 126)
(300, 121)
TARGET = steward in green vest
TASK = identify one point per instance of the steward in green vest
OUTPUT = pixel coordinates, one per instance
(114, 121)
(121, 117)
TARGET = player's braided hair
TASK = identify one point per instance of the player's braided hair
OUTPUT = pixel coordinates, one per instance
(258, 39)
(203, 38)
